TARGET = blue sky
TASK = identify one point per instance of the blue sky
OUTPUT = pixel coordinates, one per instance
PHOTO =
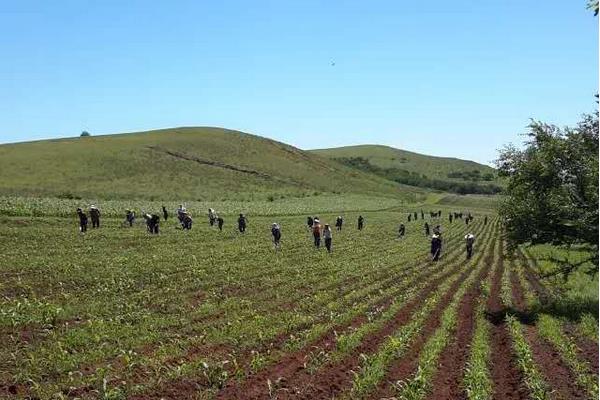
(452, 78)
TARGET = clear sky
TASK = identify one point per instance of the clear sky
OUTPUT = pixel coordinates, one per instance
(454, 78)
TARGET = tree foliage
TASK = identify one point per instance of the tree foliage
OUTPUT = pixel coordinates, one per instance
(593, 5)
(85, 134)
(552, 185)
(405, 177)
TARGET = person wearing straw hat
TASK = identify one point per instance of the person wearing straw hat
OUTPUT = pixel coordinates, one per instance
(316, 231)
(436, 246)
(469, 239)
(186, 221)
(339, 221)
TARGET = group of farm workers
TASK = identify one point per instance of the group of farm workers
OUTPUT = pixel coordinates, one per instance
(319, 230)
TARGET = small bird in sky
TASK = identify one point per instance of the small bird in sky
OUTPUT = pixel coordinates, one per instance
(333, 63)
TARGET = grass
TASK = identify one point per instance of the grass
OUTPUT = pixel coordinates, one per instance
(180, 163)
(551, 329)
(578, 293)
(470, 201)
(389, 157)
(39, 207)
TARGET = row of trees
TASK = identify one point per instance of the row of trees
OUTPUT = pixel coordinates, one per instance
(420, 180)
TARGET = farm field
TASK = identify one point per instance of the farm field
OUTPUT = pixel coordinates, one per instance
(119, 314)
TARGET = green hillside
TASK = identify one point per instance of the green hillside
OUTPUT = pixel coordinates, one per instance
(443, 173)
(180, 163)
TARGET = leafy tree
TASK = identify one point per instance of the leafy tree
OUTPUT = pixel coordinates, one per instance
(552, 185)
(85, 134)
(593, 5)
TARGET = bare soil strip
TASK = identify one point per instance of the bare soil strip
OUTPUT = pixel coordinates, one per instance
(505, 375)
(330, 379)
(448, 380)
(548, 360)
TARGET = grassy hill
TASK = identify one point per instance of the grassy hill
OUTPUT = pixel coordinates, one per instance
(180, 163)
(444, 173)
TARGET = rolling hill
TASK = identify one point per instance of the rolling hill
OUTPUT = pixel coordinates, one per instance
(182, 163)
(442, 173)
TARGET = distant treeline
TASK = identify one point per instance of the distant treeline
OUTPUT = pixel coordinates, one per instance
(473, 175)
(415, 179)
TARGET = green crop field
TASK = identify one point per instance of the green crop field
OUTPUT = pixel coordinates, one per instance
(117, 313)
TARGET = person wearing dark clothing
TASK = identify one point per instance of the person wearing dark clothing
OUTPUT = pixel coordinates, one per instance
(220, 223)
(165, 213)
(242, 223)
(83, 220)
(327, 235)
(426, 229)
(422, 215)
(309, 222)
(316, 230)
(401, 230)
(95, 216)
(470, 239)
(186, 221)
(450, 217)
(409, 217)
(276, 233)
(152, 222)
(467, 221)
(361, 222)
(485, 220)
(181, 213)
(416, 215)
(436, 247)
(212, 217)
(339, 221)
(130, 217)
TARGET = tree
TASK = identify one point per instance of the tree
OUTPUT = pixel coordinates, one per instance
(85, 134)
(593, 5)
(552, 185)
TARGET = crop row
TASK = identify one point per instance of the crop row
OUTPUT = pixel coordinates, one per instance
(120, 295)
(396, 291)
